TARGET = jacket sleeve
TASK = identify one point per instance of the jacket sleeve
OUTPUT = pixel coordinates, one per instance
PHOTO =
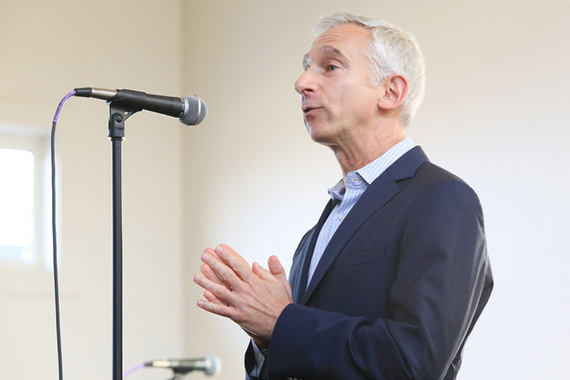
(442, 284)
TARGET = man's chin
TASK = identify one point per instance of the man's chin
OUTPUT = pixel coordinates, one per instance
(319, 131)
(321, 138)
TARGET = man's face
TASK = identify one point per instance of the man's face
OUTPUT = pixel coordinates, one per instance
(339, 104)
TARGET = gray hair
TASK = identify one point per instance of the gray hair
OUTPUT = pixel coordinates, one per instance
(391, 51)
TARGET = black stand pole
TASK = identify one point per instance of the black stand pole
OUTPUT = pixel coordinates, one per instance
(117, 118)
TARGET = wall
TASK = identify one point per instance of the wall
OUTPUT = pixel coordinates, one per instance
(495, 113)
(47, 49)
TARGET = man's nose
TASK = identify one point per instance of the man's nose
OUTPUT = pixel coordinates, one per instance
(306, 83)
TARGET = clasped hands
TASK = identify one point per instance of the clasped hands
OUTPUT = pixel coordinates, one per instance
(253, 297)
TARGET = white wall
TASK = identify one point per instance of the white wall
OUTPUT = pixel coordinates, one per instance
(47, 48)
(495, 113)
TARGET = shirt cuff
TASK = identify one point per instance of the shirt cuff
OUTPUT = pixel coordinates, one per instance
(260, 356)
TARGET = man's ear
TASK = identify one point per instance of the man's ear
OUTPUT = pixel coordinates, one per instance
(393, 91)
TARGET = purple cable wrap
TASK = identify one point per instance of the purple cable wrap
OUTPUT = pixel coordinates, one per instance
(130, 371)
(61, 105)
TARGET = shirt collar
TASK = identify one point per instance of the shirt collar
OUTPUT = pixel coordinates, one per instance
(374, 169)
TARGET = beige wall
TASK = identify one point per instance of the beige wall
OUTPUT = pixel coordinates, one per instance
(495, 113)
(47, 48)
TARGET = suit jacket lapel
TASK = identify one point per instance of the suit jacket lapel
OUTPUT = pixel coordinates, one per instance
(379, 192)
(299, 275)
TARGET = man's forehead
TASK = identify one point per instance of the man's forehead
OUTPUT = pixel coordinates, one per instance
(323, 49)
(340, 41)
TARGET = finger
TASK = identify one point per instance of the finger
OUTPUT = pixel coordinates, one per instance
(233, 260)
(275, 269)
(221, 292)
(259, 270)
(222, 271)
(205, 269)
(216, 308)
(212, 298)
(212, 252)
(211, 275)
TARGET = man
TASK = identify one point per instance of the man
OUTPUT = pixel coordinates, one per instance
(391, 280)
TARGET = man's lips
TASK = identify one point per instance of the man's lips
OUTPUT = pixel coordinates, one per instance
(308, 109)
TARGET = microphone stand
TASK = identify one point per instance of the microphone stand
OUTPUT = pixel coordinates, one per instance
(118, 115)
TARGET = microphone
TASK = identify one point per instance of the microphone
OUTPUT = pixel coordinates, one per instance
(209, 364)
(191, 110)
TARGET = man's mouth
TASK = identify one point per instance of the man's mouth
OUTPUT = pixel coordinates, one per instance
(307, 110)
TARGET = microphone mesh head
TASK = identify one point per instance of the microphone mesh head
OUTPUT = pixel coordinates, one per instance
(195, 110)
(213, 365)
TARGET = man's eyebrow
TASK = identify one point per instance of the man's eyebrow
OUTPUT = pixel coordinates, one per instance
(333, 51)
(330, 50)
(306, 61)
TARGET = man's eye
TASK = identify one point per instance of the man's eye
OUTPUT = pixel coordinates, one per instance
(332, 67)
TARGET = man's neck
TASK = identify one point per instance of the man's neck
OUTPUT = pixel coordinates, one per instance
(359, 154)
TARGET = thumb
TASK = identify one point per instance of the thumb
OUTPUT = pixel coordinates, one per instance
(276, 268)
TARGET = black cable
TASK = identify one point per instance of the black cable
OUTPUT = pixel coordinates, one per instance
(54, 237)
(55, 265)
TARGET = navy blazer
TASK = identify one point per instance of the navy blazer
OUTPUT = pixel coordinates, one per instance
(398, 288)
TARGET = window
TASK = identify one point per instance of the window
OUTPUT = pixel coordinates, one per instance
(24, 195)
(17, 205)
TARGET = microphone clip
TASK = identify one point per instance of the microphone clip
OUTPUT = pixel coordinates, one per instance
(118, 114)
